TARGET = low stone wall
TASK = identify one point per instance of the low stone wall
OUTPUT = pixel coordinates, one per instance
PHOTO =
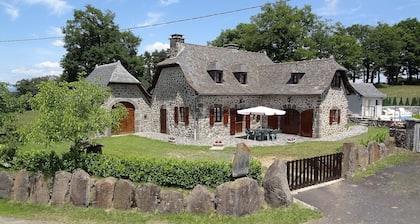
(359, 158)
(237, 198)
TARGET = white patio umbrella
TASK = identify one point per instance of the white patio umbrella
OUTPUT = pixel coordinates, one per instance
(261, 110)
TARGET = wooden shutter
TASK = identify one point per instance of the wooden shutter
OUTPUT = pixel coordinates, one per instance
(248, 121)
(211, 116)
(225, 115)
(338, 116)
(331, 116)
(186, 115)
(176, 115)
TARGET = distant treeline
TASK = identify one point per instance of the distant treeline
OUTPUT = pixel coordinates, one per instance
(401, 101)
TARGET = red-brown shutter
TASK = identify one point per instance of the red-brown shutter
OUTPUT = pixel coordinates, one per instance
(248, 121)
(176, 115)
(225, 115)
(331, 116)
(186, 115)
(338, 116)
(211, 116)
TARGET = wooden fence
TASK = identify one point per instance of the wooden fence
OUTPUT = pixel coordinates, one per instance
(306, 172)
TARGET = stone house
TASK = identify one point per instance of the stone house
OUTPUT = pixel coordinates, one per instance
(197, 91)
(128, 91)
(367, 102)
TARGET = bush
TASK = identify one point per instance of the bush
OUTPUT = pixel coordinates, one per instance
(164, 172)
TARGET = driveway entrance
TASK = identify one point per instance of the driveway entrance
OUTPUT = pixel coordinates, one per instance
(390, 196)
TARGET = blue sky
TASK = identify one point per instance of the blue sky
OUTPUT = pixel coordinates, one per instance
(32, 19)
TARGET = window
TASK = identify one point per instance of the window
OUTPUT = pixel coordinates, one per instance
(181, 114)
(216, 114)
(295, 77)
(216, 75)
(336, 82)
(334, 116)
(241, 77)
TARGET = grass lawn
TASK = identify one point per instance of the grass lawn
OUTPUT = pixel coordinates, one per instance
(70, 214)
(405, 91)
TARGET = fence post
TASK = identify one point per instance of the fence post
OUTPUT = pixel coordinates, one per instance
(349, 159)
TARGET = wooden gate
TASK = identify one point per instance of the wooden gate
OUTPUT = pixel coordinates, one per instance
(306, 172)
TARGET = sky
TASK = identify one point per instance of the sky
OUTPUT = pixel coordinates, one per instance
(30, 30)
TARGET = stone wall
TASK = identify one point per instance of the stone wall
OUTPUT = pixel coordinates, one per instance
(237, 198)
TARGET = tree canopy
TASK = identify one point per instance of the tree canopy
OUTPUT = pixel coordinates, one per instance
(92, 38)
(71, 112)
(288, 33)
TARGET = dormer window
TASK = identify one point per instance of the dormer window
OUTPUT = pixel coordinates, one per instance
(216, 75)
(336, 82)
(295, 77)
(241, 77)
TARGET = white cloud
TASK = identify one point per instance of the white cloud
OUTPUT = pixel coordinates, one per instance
(168, 2)
(58, 43)
(329, 9)
(156, 46)
(55, 31)
(152, 18)
(58, 7)
(48, 64)
(11, 10)
(46, 68)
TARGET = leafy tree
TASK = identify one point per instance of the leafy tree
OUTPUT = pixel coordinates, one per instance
(401, 103)
(394, 101)
(71, 112)
(92, 38)
(407, 102)
(410, 31)
(25, 86)
(414, 101)
(151, 60)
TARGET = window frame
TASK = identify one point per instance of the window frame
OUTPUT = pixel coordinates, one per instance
(335, 116)
(241, 77)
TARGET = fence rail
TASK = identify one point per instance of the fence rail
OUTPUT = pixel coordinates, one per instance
(306, 172)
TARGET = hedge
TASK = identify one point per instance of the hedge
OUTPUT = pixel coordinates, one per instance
(164, 172)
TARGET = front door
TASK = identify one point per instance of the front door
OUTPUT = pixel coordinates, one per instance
(273, 122)
(291, 122)
(127, 123)
(163, 121)
(306, 122)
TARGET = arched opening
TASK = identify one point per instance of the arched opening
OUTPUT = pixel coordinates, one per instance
(127, 124)
(290, 122)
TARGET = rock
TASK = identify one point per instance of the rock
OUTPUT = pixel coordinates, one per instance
(147, 197)
(124, 194)
(39, 192)
(238, 198)
(374, 154)
(80, 188)
(171, 202)
(240, 163)
(362, 158)
(276, 188)
(383, 150)
(21, 186)
(201, 201)
(61, 188)
(104, 192)
(349, 160)
(6, 185)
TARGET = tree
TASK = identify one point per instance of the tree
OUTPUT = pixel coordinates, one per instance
(280, 30)
(150, 62)
(30, 86)
(92, 38)
(71, 112)
(411, 50)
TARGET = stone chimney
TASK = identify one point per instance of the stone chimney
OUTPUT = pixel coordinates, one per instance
(173, 44)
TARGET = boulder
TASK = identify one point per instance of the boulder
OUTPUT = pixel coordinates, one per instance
(238, 198)
(171, 202)
(6, 185)
(200, 201)
(104, 192)
(147, 197)
(349, 160)
(124, 194)
(39, 192)
(21, 186)
(374, 154)
(362, 158)
(80, 188)
(61, 188)
(276, 188)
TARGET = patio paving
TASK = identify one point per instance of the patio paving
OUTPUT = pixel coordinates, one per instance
(230, 140)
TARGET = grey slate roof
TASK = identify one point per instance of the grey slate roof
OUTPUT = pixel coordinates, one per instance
(368, 90)
(111, 73)
(263, 76)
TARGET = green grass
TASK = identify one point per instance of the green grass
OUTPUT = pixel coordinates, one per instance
(405, 91)
(70, 214)
(397, 158)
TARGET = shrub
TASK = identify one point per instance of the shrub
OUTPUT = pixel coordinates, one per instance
(164, 172)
